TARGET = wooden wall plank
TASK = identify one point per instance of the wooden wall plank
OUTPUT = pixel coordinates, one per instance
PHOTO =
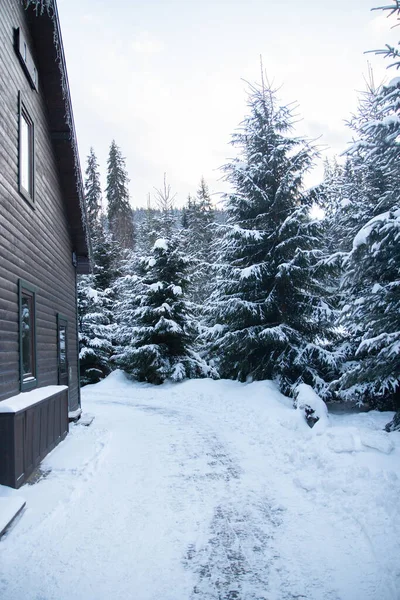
(35, 244)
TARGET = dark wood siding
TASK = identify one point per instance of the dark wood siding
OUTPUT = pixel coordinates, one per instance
(35, 243)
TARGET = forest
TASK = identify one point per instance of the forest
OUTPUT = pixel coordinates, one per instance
(257, 287)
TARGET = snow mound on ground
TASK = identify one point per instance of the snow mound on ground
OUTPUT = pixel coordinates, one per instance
(351, 439)
(377, 440)
(117, 380)
(308, 401)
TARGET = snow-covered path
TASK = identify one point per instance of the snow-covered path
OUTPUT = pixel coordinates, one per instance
(209, 490)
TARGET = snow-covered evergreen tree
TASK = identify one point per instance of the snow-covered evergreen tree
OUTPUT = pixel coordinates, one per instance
(199, 237)
(343, 204)
(93, 191)
(372, 315)
(165, 221)
(106, 258)
(156, 329)
(349, 191)
(207, 217)
(95, 331)
(94, 295)
(119, 212)
(269, 306)
(372, 278)
(146, 230)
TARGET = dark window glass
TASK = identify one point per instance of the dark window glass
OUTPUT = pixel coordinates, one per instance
(26, 58)
(62, 335)
(27, 325)
(62, 341)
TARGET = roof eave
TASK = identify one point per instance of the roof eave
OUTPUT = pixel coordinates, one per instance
(45, 27)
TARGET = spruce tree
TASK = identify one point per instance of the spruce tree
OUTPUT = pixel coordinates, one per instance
(156, 329)
(269, 305)
(146, 230)
(95, 331)
(119, 212)
(94, 295)
(203, 233)
(165, 221)
(156, 326)
(348, 193)
(93, 191)
(372, 278)
(199, 237)
(207, 215)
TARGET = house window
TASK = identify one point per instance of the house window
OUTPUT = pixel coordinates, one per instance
(26, 153)
(62, 343)
(26, 58)
(27, 335)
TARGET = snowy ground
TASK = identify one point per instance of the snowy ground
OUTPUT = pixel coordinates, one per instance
(209, 490)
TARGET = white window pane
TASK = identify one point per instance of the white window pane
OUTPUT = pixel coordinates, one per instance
(25, 156)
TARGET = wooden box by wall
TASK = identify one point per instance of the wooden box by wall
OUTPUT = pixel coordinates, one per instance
(31, 425)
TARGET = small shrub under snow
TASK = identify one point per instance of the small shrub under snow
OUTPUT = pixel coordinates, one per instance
(314, 408)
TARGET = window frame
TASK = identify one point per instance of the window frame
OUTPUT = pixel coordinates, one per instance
(30, 381)
(23, 114)
(62, 322)
(26, 59)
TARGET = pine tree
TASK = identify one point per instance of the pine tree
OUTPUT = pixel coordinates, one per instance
(203, 234)
(147, 230)
(95, 331)
(339, 196)
(269, 307)
(106, 259)
(165, 221)
(372, 279)
(199, 237)
(348, 195)
(207, 213)
(372, 315)
(156, 329)
(94, 295)
(119, 211)
(93, 191)
(349, 192)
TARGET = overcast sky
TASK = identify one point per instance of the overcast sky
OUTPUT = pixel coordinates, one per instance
(164, 78)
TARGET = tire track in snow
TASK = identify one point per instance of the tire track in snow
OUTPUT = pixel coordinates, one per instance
(234, 559)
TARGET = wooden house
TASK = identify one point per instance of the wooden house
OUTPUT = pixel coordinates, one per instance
(43, 239)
